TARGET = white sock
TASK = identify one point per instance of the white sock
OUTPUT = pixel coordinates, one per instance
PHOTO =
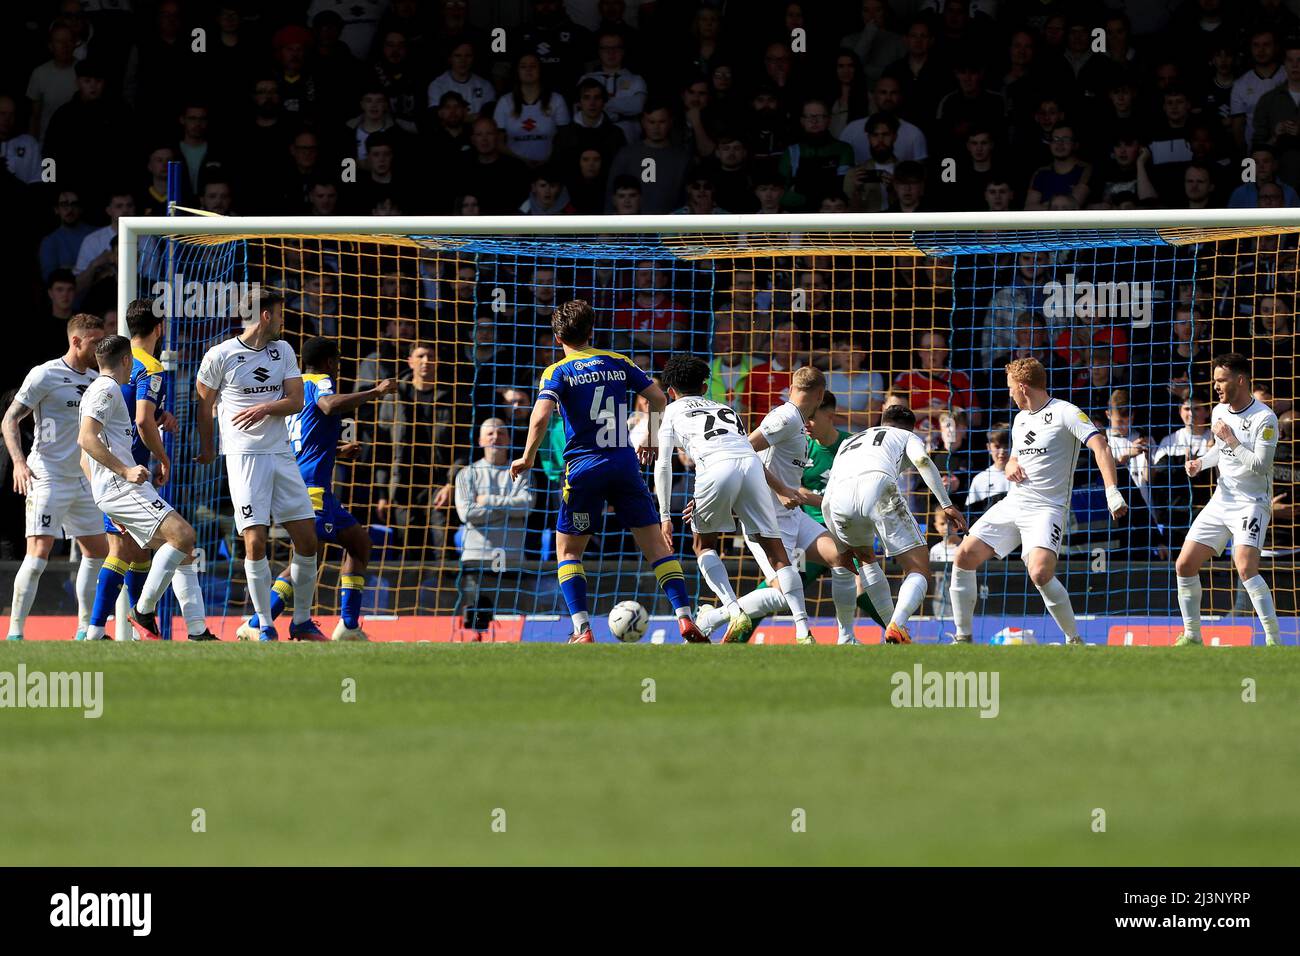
(876, 585)
(302, 571)
(258, 574)
(189, 595)
(910, 596)
(1262, 598)
(94, 632)
(709, 619)
(165, 562)
(715, 576)
(963, 593)
(1189, 603)
(844, 591)
(87, 579)
(580, 620)
(762, 602)
(1057, 599)
(792, 587)
(29, 573)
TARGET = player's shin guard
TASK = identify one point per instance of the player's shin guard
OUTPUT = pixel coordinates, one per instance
(281, 595)
(137, 572)
(910, 596)
(29, 573)
(672, 580)
(1189, 603)
(165, 562)
(107, 588)
(573, 585)
(879, 603)
(715, 576)
(302, 572)
(1262, 598)
(963, 591)
(792, 587)
(258, 573)
(1057, 599)
(844, 592)
(350, 588)
(87, 580)
(189, 595)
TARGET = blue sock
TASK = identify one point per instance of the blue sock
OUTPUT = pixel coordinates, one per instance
(671, 578)
(573, 585)
(136, 574)
(107, 587)
(281, 591)
(350, 588)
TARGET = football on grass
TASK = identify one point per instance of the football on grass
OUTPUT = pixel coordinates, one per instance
(628, 621)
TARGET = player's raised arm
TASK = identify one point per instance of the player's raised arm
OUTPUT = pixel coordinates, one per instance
(12, 429)
(537, 424)
(1109, 474)
(342, 404)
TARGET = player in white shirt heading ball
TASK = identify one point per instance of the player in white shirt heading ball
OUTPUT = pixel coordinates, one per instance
(58, 502)
(257, 380)
(1245, 435)
(1045, 439)
(122, 489)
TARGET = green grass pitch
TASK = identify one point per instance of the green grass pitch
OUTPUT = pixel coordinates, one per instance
(712, 772)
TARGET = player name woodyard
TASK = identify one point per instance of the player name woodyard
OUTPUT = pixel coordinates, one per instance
(76, 690)
(103, 909)
(923, 688)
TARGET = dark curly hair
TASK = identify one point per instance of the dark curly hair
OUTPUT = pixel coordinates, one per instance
(688, 374)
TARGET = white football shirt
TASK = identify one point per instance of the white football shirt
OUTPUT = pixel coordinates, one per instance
(708, 431)
(881, 448)
(1256, 428)
(104, 403)
(53, 392)
(244, 377)
(786, 454)
(1046, 441)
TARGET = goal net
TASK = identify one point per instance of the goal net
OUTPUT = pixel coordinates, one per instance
(1126, 311)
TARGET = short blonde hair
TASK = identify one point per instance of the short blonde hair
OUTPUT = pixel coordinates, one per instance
(1028, 371)
(808, 378)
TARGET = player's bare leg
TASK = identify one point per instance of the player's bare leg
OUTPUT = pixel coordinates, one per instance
(569, 549)
(655, 543)
(714, 573)
(174, 542)
(971, 553)
(352, 580)
(1187, 571)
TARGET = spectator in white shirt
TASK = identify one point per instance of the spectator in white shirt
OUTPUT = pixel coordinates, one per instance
(858, 391)
(98, 252)
(1128, 447)
(627, 90)
(461, 78)
(1193, 439)
(943, 553)
(1265, 74)
(531, 113)
(991, 483)
(54, 82)
(909, 141)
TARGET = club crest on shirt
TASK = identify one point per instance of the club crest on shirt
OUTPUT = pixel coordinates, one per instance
(581, 521)
(275, 354)
(1047, 418)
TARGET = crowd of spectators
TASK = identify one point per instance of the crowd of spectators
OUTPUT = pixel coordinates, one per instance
(384, 107)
